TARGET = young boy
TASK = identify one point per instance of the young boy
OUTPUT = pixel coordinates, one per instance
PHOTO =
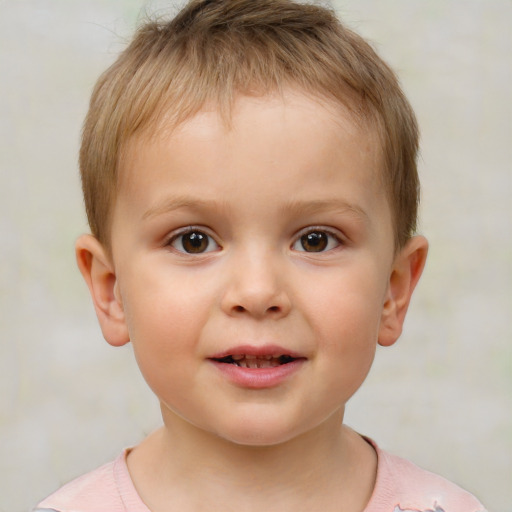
(249, 172)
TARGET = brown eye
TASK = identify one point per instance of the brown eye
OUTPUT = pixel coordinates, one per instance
(315, 241)
(194, 242)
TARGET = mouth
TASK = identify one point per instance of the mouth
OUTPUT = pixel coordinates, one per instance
(258, 367)
(253, 361)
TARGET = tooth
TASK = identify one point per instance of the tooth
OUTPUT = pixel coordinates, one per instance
(237, 357)
(268, 358)
(250, 356)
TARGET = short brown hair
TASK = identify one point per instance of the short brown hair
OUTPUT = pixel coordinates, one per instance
(214, 50)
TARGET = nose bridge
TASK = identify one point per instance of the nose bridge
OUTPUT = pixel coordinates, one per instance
(256, 285)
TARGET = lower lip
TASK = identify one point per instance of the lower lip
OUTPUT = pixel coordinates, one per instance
(259, 378)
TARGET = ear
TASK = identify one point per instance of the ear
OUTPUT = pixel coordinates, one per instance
(405, 274)
(98, 271)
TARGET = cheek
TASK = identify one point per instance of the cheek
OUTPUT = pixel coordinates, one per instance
(345, 313)
(348, 345)
(346, 304)
(166, 315)
(164, 305)
(165, 342)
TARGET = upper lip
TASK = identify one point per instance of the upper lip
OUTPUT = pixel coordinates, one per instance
(257, 351)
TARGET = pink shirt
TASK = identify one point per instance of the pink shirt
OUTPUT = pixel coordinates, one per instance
(400, 487)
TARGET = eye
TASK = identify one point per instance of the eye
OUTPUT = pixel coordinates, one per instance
(316, 240)
(193, 242)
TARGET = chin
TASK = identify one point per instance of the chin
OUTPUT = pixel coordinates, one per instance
(261, 433)
(258, 439)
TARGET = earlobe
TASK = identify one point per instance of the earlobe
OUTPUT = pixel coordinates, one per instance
(405, 274)
(99, 274)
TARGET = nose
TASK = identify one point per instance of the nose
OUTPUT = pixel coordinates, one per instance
(256, 287)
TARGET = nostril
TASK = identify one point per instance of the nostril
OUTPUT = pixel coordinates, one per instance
(271, 309)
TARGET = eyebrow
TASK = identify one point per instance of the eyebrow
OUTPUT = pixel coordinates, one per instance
(175, 203)
(327, 205)
(303, 207)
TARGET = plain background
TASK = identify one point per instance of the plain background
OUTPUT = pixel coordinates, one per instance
(442, 396)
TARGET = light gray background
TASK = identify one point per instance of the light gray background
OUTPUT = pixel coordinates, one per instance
(441, 396)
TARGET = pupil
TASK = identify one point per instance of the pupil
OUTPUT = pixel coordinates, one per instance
(195, 242)
(314, 242)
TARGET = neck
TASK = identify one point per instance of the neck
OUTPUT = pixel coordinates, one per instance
(189, 466)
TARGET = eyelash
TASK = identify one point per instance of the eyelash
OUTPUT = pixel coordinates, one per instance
(323, 242)
(330, 238)
(192, 230)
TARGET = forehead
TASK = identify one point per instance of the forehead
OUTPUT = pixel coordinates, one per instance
(240, 119)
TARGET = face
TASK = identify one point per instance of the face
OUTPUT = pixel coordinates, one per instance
(252, 263)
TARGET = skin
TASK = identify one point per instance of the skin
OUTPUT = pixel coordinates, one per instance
(287, 166)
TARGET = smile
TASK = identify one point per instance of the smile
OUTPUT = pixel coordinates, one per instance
(258, 367)
(252, 361)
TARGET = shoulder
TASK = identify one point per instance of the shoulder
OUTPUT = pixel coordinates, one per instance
(94, 491)
(106, 489)
(401, 486)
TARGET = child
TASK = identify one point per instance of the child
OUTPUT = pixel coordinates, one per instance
(249, 173)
